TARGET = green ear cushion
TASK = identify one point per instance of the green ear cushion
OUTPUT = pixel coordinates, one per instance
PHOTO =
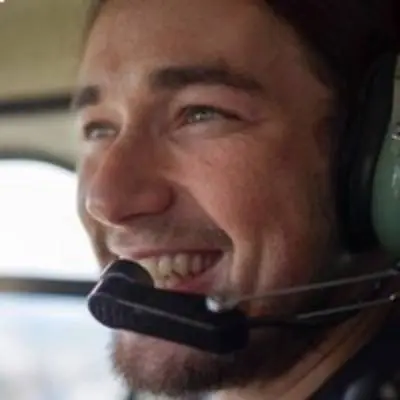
(368, 125)
(386, 194)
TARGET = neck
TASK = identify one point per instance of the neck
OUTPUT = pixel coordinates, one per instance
(319, 364)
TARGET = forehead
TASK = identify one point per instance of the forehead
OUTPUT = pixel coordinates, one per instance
(138, 35)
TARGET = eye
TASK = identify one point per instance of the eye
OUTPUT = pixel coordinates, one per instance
(98, 131)
(199, 114)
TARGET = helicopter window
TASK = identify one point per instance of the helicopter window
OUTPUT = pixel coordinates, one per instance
(50, 347)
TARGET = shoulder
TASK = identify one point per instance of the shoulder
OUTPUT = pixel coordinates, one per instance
(375, 365)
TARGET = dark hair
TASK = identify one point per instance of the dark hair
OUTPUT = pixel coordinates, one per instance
(344, 36)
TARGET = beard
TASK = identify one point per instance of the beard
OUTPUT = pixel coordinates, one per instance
(155, 366)
(159, 367)
(151, 365)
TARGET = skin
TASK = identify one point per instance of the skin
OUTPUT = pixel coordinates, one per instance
(251, 180)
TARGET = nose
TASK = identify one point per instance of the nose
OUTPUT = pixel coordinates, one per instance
(127, 182)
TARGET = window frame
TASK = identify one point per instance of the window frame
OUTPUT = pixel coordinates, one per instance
(63, 287)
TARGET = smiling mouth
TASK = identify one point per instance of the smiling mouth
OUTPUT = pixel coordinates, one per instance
(178, 270)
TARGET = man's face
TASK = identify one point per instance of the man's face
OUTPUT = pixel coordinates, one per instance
(205, 159)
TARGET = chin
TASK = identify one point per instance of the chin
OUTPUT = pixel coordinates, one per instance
(161, 367)
(151, 365)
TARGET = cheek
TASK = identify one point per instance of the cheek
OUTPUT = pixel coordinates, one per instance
(93, 229)
(268, 198)
(87, 168)
(248, 186)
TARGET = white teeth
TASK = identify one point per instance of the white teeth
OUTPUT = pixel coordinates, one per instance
(165, 266)
(197, 264)
(171, 281)
(177, 266)
(181, 264)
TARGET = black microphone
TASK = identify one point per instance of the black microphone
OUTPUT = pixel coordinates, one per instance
(125, 299)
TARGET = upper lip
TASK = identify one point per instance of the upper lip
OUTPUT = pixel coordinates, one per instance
(141, 254)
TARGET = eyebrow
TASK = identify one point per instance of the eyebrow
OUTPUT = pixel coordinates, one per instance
(177, 78)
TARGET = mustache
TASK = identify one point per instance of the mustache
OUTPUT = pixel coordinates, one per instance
(157, 232)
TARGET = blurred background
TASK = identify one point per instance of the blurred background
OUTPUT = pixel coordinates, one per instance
(50, 348)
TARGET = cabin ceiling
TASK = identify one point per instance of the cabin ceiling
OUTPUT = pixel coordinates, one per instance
(39, 45)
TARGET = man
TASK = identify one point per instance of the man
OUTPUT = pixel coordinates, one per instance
(211, 132)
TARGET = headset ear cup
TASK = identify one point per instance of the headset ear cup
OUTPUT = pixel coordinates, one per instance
(386, 194)
(369, 119)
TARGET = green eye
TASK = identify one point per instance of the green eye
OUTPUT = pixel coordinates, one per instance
(199, 114)
(202, 114)
(98, 131)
